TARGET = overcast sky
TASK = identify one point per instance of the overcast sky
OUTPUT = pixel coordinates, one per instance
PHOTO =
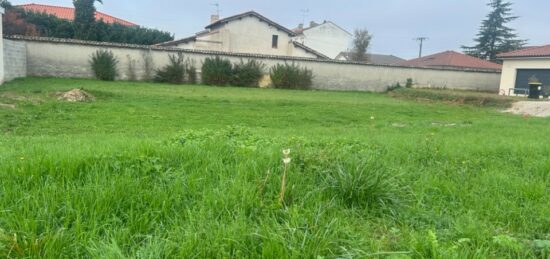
(394, 23)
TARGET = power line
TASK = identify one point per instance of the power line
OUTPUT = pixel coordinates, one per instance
(421, 40)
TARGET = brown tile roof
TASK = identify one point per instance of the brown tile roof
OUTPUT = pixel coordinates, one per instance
(255, 14)
(451, 59)
(540, 51)
(67, 13)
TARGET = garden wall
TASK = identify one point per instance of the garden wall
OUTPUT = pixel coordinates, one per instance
(70, 58)
(15, 59)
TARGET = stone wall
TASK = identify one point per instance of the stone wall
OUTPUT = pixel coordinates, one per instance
(70, 58)
(15, 59)
(1, 48)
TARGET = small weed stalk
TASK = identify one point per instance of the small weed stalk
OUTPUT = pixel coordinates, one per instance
(286, 163)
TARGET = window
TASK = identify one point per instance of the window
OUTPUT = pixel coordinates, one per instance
(275, 41)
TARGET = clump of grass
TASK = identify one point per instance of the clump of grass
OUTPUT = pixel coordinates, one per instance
(362, 185)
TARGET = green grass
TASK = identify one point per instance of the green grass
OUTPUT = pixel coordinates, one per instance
(163, 171)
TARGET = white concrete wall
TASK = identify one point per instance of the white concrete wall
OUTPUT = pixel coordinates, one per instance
(510, 67)
(327, 38)
(66, 58)
(15, 59)
(1, 48)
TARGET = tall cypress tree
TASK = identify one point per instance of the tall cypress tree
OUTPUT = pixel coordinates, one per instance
(494, 36)
(84, 20)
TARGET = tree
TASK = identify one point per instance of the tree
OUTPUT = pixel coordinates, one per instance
(361, 43)
(84, 20)
(494, 36)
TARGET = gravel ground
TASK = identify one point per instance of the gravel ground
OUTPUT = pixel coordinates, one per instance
(531, 108)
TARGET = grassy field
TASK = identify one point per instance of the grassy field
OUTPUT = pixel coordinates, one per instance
(162, 171)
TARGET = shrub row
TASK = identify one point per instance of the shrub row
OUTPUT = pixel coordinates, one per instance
(218, 71)
(215, 71)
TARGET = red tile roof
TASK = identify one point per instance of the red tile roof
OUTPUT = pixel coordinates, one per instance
(540, 51)
(67, 13)
(451, 59)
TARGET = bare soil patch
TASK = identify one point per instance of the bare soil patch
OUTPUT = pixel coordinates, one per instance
(531, 108)
(76, 95)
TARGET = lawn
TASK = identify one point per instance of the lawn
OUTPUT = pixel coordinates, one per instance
(166, 171)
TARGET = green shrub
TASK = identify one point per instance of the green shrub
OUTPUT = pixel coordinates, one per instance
(191, 71)
(104, 64)
(247, 74)
(291, 77)
(174, 72)
(394, 87)
(216, 71)
(409, 83)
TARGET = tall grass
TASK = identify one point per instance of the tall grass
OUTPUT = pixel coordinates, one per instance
(161, 171)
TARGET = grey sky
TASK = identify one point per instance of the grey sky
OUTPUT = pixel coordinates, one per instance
(394, 23)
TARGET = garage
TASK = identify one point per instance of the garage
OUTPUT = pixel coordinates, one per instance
(523, 75)
(520, 65)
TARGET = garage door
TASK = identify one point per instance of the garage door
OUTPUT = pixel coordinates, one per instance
(523, 75)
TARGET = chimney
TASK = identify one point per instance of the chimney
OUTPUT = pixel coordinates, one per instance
(301, 26)
(214, 18)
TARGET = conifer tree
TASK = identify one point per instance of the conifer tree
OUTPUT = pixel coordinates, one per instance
(495, 36)
(84, 20)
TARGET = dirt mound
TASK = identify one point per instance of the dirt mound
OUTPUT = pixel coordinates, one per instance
(533, 108)
(76, 95)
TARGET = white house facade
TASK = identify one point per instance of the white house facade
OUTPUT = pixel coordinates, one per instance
(521, 65)
(326, 38)
(249, 32)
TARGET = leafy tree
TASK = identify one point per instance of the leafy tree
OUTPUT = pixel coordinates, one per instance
(5, 4)
(494, 36)
(361, 43)
(20, 22)
(84, 20)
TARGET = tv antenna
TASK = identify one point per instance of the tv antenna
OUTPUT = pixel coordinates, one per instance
(217, 5)
(421, 41)
(305, 13)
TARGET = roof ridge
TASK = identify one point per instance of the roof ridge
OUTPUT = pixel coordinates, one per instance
(525, 49)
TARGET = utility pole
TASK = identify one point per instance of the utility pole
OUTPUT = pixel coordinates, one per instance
(305, 13)
(421, 40)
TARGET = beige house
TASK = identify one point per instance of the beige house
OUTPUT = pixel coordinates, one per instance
(248, 32)
(521, 65)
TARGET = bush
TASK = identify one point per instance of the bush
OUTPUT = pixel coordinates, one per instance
(216, 71)
(174, 72)
(247, 74)
(104, 65)
(191, 71)
(291, 77)
(409, 83)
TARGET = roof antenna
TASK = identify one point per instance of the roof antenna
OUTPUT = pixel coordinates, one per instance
(217, 5)
(305, 13)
